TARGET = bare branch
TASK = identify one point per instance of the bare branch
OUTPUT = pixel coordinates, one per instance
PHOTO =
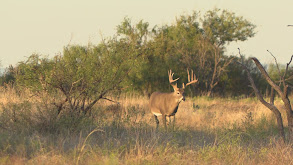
(72, 84)
(271, 105)
(282, 94)
(290, 60)
(287, 79)
(266, 76)
(276, 64)
(110, 100)
(287, 67)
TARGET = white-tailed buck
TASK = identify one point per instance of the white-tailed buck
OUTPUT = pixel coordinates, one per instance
(166, 104)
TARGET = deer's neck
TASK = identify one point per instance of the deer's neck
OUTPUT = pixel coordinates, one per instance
(172, 101)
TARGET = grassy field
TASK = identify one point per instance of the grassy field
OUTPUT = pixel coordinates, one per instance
(207, 131)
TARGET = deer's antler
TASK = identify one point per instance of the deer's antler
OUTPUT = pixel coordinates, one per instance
(171, 79)
(191, 79)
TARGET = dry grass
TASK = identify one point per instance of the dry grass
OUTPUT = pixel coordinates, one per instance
(207, 131)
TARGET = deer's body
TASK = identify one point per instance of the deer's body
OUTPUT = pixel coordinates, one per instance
(166, 104)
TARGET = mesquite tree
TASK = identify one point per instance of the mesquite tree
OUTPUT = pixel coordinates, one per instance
(221, 28)
(197, 42)
(80, 77)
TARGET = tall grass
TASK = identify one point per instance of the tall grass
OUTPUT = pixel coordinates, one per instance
(207, 131)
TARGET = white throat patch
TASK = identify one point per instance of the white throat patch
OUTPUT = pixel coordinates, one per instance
(181, 99)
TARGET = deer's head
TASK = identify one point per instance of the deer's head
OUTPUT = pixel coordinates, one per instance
(179, 92)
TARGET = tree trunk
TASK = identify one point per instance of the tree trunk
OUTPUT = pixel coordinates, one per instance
(290, 128)
(280, 124)
(213, 83)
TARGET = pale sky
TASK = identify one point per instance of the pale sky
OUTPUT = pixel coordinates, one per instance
(46, 26)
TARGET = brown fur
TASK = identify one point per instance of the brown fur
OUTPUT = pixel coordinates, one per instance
(166, 104)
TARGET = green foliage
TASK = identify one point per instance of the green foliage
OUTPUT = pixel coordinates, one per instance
(33, 72)
(276, 72)
(137, 59)
(191, 42)
(8, 76)
(234, 81)
(225, 27)
(136, 35)
(82, 75)
(16, 117)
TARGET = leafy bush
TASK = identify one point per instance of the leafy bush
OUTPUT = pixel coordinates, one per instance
(81, 77)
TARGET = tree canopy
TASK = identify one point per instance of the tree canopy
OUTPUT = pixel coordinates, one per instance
(137, 58)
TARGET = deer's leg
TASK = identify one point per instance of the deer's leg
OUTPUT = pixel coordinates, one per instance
(173, 121)
(157, 121)
(164, 121)
(168, 120)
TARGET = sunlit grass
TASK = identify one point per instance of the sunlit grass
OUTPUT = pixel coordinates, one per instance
(207, 131)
